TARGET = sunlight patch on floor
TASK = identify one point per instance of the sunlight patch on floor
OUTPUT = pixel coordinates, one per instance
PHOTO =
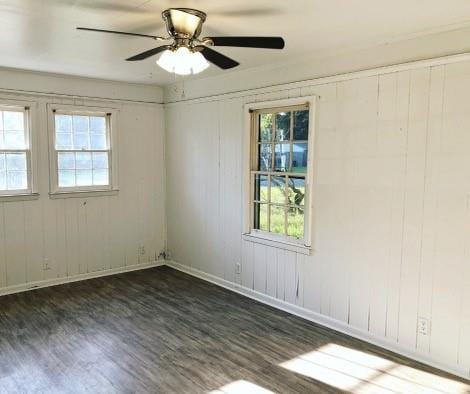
(241, 387)
(360, 372)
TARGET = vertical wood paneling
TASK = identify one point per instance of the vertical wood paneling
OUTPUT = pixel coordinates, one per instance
(362, 100)
(398, 150)
(247, 264)
(328, 180)
(390, 206)
(15, 243)
(436, 98)
(389, 141)
(117, 255)
(82, 236)
(271, 272)
(300, 277)
(95, 236)
(230, 128)
(72, 245)
(60, 267)
(413, 209)
(290, 281)
(259, 267)
(33, 219)
(451, 188)
(339, 291)
(281, 275)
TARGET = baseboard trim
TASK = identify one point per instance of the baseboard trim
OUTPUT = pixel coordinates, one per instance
(320, 319)
(75, 278)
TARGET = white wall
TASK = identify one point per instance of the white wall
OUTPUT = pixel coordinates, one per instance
(86, 235)
(391, 205)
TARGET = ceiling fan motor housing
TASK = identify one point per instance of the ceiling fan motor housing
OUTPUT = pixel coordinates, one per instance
(183, 23)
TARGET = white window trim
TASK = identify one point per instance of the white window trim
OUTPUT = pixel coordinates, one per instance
(30, 108)
(82, 191)
(249, 233)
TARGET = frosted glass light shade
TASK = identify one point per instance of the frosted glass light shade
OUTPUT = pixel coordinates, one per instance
(182, 61)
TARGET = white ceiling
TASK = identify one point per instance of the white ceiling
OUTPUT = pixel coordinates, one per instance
(40, 34)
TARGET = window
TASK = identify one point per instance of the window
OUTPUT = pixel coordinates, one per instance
(15, 151)
(279, 171)
(82, 150)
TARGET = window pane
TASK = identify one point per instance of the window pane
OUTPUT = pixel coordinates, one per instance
(83, 161)
(265, 157)
(266, 127)
(80, 141)
(66, 178)
(63, 123)
(84, 177)
(66, 161)
(100, 177)
(261, 188)
(295, 222)
(17, 180)
(261, 217)
(80, 124)
(14, 140)
(278, 219)
(63, 141)
(100, 160)
(98, 124)
(16, 161)
(278, 189)
(2, 162)
(1, 120)
(13, 121)
(296, 190)
(301, 125)
(299, 158)
(98, 141)
(282, 157)
(3, 180)
(283, 126)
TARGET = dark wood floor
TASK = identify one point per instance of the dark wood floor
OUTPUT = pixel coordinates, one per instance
(157, 331)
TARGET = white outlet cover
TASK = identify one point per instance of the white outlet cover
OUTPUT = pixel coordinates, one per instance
(423, 326)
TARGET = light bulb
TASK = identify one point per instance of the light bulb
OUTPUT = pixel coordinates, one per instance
(182, 61)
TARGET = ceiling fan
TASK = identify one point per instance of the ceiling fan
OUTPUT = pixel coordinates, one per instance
(187, 53)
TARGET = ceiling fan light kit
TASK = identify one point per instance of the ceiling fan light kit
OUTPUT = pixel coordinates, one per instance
(182, 61)
(187, 53)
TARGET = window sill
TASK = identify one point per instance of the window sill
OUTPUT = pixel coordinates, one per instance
(19, 197)
(85, 193)
(291, 246)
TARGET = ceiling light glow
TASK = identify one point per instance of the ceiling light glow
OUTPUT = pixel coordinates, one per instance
(182, 61)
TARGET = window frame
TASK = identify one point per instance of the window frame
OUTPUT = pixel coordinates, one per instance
(29, 110)
(74, 191)
(303, 245)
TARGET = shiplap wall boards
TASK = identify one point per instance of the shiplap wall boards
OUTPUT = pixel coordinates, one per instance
(47, 241)
(391, 216)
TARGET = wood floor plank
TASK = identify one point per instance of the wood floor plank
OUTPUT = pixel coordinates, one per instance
(162, 331)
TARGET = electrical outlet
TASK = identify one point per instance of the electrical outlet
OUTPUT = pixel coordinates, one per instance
(45, 265)
(141, 249)
(423, 326)
(238, 268)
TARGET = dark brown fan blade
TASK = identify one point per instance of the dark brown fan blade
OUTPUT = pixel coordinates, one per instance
(149, 53)
(121, 32)
(249, 42)
(217, 58)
